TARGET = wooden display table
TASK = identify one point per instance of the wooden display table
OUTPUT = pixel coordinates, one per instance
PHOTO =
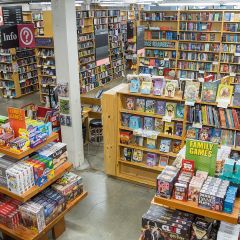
(192, 207)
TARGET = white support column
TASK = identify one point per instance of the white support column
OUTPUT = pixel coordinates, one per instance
(66, 57)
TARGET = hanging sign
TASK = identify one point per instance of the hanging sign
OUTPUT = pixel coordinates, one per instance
(12, 15)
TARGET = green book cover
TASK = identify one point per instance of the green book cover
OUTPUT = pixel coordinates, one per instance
(203, 153)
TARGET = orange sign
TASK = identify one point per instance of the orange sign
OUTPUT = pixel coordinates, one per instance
(16, 117)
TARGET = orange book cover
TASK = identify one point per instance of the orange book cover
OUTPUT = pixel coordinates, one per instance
(222, 118)
(235, 118)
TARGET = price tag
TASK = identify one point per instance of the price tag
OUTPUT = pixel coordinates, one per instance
(52, 67)
(222, 104)
(201, 79)
(151, 67)
(189, 103)
(166, 59)
(215, 63)
(237, 54)
(197, 125)
(44, 85)
(201, 71)
(44, 57)
(167, 118)
(44, 66)
(38, 65)
(54, 77)
(232, 74)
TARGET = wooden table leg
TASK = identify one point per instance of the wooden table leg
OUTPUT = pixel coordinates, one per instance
(44, 237)
(58, 228)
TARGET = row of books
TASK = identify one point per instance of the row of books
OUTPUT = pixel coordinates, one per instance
(197, 66)
(6, 68)
(158, 16)
(153, 71)
(231, 38)
(212, 47)
(87, 44)
(228, 68)
(162, 35)
(232, 27)
(231, 16)
(86, 52)
(231, 48)
(157, 63)
(201, 16)
(45, 52)
(183, 74)
(198, 56)
(199, 26)
(229, 58)
(160, 53)
(197, 36)
(83, 14)
(100, 13)
(86, 37)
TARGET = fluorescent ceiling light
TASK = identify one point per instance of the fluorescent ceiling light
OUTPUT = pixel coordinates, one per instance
(188, 4)
(232, 3)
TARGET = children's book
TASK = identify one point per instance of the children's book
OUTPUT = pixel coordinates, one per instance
(191, 91)
(125, 119)
(148, 123)
(192, 132)
(137, 155)
(127, 154)
(163, 161)
(151, 159)
(178, 128)
(145, 77)
(205, 134)
(160, 107)
(170, 88)
(150, 106)
(146, 87)
(179, 110)
(158, 85)
(224, 93)
(140, 104)
(137, 140)
(226, 80)
(134, 81)
(169, 128)
(216, 135)
(135, 122)
(165, 145)
(151, 143)
(236, 96)
(176, 146)
(209, 91)
(159, 125)
(170, 109)
(130, 102)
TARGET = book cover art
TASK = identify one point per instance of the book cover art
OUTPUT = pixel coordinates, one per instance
(169, 128)
(159, 125)
(165, 145)
(226, 80)
(151, 143)
(158, 85)
(179, 111)
(125, 137)
(137, 155)
(209, 91)
(134, 85)
(125, 119)
(192, 132)
(176, 146)
(191, 91)
(163, 161)
(236, 96)
(148, 123)
(146, 87)
(145, 77)
(135, 122)
(216, 135)
(170, 109)
(178, 128)
(130, 103)
(160, 107)
(205, 134)
(151, 159)
(127, 154)
(140, 104)
(224, 93)
(170, 88)
(150, 106)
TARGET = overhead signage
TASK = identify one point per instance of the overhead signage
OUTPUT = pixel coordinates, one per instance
(159, 44)
(44, 42)
(12, 15)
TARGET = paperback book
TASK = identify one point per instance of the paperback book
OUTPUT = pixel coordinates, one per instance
(150, 106)
(170, 109)
(158, 85)
(224, 93)
(209, 91)
(170, 88)
(134, 81)
(160, 107)
(191, 91)
(165, 145)
(146, 87)
(140, 104)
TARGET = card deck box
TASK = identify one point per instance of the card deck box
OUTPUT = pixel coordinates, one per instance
(6, 138)
(14, 181)
(194, 188)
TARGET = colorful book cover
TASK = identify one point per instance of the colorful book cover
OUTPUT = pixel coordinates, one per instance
(179, 110)
(165, 145)
(236, 96)
(205, 134)
(137, 155)
(130, 103)
(151, 143)
(216, 135)
(146, 87)
(209, 91)
(226, 80)
(151, 159)
(135, 122)
(159, 125)
(170, 109)
(143, 77)
(176, 146)
(134, 81)
(137, 140)
(125, 119)
(140, 104)
(170, 88)
(158, 85)
(148, 123)
(150, 106)
(169, 128)
(191, 91)
(163, 161)
(224, 93)
(178, 128)
(127, 154)
(160, 107)
(192, 132)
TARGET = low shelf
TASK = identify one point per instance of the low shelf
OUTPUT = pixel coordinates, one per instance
(192, 207)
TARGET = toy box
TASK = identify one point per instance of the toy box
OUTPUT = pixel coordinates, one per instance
(194, 188)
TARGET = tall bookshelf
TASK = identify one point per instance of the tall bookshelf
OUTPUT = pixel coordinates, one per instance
(38, 21)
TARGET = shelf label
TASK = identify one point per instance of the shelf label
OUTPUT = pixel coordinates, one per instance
(222, 104)
(44, 57)
(189, 103)
(167, 118)
(201, 71)
(197, 125)
(232, 74)
(44, 85)
(44, 66)
(54, 77)
(215, 63)
(166, 59)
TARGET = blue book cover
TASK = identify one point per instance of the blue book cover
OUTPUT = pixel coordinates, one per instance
(165, 145)
(236, 96)
(179, 110)
(216, 135)
(160, 107)
(148, 123)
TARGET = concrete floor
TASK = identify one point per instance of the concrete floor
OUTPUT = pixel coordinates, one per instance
(112, 209)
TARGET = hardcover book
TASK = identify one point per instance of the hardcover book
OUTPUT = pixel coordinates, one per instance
(125, 119)
(150, 106)
(130, 103)
(178, 128)
(216, 135)
(165, 145)
(176, 146)
(151, 159)
(134, 81)
(205, 134)
(191, 91)
(140, 104)
(209, 91)
(170, 109)
(148, 123)
(151, 143)
(192, 132)
(127, 154)
(163, 161)
(137, 155)
(179, 110)
(135, 122)
(170, 88)
(224, 93)
(159, 125)
(158, 85)
(160, 107)
(146, 87)
(169, 128)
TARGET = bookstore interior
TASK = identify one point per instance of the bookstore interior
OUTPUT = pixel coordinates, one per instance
(124, 108)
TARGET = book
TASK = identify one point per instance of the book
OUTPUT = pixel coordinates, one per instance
(125, 137)
(170, 109)
(170, 88)
(169, 128)
(178, 128)
(179, 111)
(140, 104)
(159, 125)
(226, 80)
(125, 119)
(209, 91)
(146, 87)
(148, 123)
(236, 96)
(160, 107)
(205, 134)
(137, 140)
(135, 122)
(224, 93)
(151, 159)
(137, 155)
(150, 106)
(127, 154)
(151, 143)
(192, 133)
(158, 85)
(165, 145)
(176, 146)
(216, 135)
(145, 77)
(130, 103)
(134, 81)
(191, 91)
(163, 161)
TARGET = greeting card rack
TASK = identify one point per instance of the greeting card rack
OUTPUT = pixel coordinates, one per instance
(57, 226)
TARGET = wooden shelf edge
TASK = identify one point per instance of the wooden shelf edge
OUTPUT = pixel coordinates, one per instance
(35, 190)
(19, 156)
(22, 233)
(192, 207)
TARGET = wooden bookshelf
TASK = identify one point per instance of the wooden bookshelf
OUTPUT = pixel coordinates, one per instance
(192, 207)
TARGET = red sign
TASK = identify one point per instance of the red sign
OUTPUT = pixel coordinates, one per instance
(16, 117)
(26, 35)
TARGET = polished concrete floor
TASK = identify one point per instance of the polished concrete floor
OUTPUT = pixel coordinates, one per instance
(113, 208)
